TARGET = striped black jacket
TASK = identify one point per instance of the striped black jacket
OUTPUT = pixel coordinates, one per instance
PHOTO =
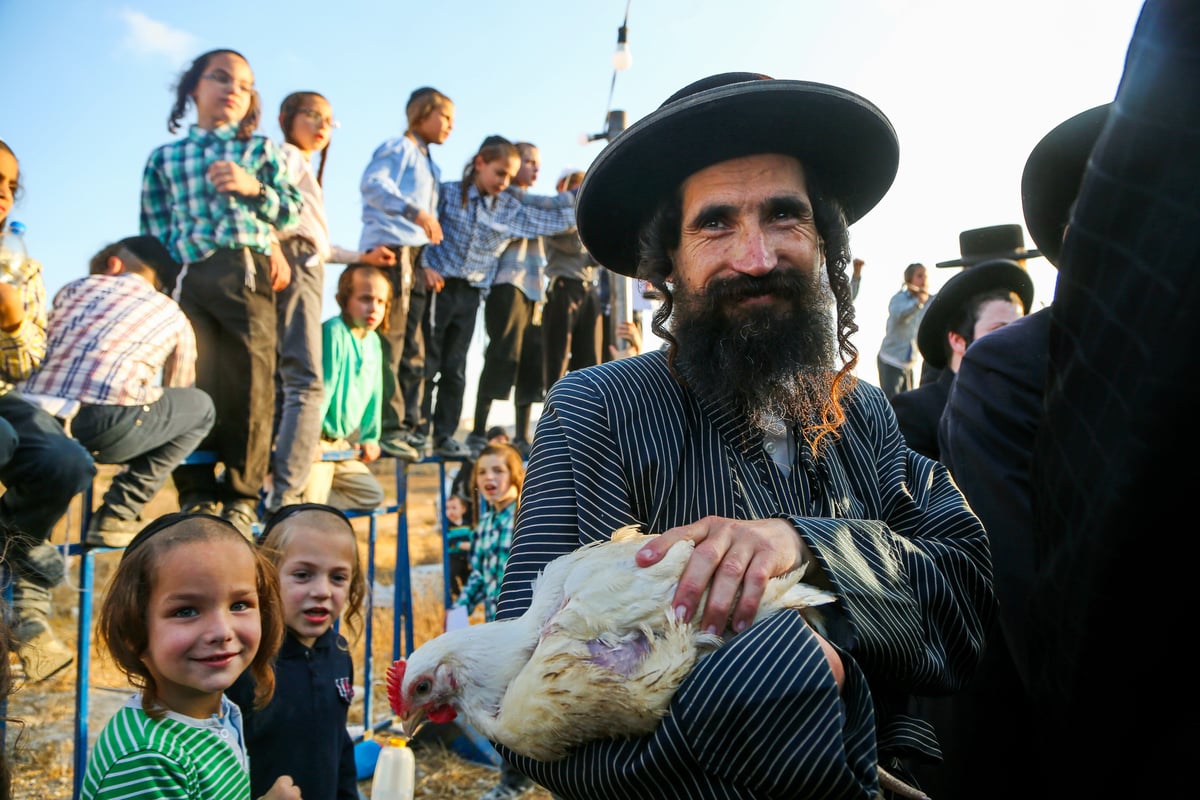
(624, 443)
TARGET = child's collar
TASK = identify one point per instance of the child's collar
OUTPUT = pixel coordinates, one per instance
(225, 131)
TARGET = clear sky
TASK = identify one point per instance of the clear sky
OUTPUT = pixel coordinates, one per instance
(970, 87)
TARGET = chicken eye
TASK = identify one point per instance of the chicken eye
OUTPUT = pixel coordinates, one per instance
(423, 687)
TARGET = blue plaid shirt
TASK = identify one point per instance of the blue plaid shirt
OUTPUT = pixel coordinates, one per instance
(181, 209)
(475, 236)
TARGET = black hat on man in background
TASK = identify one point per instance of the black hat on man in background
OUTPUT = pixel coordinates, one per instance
(992, 243)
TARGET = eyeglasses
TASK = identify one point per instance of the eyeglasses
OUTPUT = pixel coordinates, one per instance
(226, 81)
(317, 118)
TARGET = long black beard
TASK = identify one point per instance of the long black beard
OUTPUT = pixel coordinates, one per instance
(772, 364)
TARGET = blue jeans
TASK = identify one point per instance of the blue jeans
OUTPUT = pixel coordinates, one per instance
(299, 386)
(46, 469)
(150, 440)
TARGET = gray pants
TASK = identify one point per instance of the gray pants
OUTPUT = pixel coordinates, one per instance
(299, 386)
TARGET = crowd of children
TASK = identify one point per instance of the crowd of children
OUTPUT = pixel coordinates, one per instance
(234, 239)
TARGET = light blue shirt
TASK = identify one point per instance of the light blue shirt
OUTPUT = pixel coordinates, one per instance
(400, 181)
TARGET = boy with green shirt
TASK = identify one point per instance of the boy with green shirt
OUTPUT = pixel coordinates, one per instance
(352, 359)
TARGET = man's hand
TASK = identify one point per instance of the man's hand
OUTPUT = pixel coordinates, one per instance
(858, 265)
(12, 310)
(633, 338)
(733, 560)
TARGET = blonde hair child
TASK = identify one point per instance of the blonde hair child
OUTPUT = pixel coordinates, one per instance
(301, 732)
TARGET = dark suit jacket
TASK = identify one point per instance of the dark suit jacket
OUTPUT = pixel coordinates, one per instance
(918, 411)
(986, 437)
(1115, 469)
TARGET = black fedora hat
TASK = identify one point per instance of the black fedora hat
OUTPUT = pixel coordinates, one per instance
(841, 138)
(946, 304)
(993, 243)
(1053, 172)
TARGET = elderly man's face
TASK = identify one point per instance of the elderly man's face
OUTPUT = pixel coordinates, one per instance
(746, 217)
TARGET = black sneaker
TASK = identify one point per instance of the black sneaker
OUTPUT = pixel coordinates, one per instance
(452, 448)
(523, 447)
(242, 514)
(476, 443)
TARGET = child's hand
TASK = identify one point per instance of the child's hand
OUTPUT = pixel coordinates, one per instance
(228, 176)
(283, 789)
(369, 452)
(632, 335)
(281, 270)
(379, 257)
(12, 310)
(429, 223)
(433, 279)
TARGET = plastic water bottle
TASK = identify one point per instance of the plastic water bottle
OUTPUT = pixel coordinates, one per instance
(395, 772)
(13, 254)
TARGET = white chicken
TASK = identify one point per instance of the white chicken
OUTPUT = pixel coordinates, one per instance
(598, 653)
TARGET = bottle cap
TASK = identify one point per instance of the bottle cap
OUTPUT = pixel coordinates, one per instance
(17, 227)
(397, 741)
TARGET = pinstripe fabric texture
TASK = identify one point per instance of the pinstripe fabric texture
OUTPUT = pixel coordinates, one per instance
(138, 757)
(624, 443)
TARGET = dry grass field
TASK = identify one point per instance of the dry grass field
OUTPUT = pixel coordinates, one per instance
(40, 743)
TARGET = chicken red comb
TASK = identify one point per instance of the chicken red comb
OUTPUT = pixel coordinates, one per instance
(395, 677)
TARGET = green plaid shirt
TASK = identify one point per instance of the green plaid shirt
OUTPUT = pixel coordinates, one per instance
(182, 210)
(489, 555)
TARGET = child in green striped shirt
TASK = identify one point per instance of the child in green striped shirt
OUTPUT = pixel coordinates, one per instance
(191, 605)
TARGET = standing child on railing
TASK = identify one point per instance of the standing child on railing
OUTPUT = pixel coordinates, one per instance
(191, 606)
(352, 355)
(302, 731)
(214, 199)
(306, 120)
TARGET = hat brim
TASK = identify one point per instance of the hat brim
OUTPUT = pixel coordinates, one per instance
(841, 139)
(1052, 175)
(1011, 255)
(944, 306)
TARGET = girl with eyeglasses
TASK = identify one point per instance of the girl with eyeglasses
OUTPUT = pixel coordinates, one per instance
(306, 120)
(215, 198)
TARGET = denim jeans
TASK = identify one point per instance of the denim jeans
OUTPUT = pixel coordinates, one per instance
(299, 386)
(46, 469)
(150, 440)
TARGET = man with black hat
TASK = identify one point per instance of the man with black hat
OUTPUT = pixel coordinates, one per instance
(111, 336)
(979, 246)
(970, 305)
(986, 437)
(750, 436)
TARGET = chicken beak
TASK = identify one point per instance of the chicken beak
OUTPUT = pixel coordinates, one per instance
(411, 723)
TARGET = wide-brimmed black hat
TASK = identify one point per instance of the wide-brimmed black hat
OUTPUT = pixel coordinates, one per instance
(947, 303)
(1052, 176)
(993, 243)
(842, 139)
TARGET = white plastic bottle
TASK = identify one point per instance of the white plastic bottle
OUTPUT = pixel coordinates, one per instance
(395, 772)
(13, 254)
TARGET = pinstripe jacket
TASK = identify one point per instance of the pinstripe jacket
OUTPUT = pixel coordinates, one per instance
(624, 443)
